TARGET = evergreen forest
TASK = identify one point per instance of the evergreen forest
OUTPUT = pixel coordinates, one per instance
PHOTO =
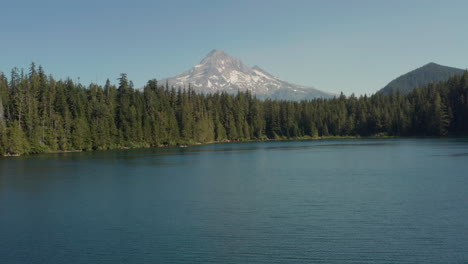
(41, 114)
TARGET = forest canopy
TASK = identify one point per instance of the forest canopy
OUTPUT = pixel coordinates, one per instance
(40, 114)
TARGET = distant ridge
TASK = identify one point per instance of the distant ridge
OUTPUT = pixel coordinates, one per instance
(429, 73)
(220, 72)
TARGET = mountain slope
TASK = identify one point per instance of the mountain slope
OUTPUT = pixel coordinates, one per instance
(220, 72)
(422, 76)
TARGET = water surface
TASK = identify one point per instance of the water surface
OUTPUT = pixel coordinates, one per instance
(327, 201)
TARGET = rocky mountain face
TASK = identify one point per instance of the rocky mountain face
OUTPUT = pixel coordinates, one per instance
(429, 73)
(219, 72)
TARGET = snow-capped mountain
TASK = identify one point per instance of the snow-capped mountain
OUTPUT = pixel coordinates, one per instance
(219, 71)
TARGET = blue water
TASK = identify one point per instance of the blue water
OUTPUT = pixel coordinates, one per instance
(327, 201)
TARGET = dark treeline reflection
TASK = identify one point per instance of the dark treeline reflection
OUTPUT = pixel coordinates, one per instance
(40, 114)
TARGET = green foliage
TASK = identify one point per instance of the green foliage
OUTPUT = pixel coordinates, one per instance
(16, 142)
(39, 114)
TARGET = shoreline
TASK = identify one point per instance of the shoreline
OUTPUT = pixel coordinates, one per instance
(185, 145)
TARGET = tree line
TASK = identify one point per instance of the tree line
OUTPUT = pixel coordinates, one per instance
(40, 114)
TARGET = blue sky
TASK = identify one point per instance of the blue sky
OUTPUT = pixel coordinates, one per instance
(350, 46)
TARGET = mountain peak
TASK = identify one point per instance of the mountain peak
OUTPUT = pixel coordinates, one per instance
(220, 72)
(422, 76)
(432, 64)
(217, 56)
(216, 52)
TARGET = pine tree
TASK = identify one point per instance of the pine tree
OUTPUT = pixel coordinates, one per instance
(39, 114)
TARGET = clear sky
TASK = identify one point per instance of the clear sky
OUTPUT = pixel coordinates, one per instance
(349, 46)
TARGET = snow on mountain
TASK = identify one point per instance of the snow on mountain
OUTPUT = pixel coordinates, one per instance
(219, 71)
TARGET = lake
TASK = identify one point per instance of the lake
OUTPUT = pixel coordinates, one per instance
(324, 201)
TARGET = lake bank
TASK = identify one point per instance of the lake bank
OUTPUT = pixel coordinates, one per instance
(188, 144)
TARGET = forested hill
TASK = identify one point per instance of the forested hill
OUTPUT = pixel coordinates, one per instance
(41, 114)
(420, 77)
